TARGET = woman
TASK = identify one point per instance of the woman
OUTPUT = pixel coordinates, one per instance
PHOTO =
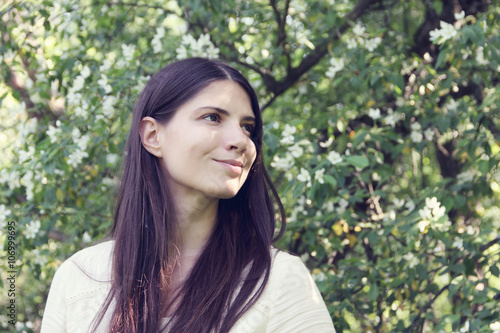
(191, 241)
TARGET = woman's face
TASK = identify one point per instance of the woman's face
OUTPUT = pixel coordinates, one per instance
(206, 148)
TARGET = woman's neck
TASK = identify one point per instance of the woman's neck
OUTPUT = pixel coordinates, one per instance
(196, 219)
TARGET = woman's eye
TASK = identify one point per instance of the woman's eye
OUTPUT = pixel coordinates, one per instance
(212, 117)
(249, 128)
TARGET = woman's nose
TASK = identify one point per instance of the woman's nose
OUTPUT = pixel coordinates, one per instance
(235, 138)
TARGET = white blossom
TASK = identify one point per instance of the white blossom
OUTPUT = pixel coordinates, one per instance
(304, 175)
(82, 142)
(202, 47)
(495, 327)
(53, 133)
(76, 157)
(103, 82)
(76, 133)
(372, 44)
(73, 98)
(108, 106)
(82, 110)
(318, 277)
(106, 65)
(422, 225)
(182, 52)
(327, 143)
(32, 229)
(425, 213)
(111, 158)
(439, 36)
(86, 237)
(26, 155)
(465, 177)
(351, 43)
(108, 181)
(466, 53)
(78, 83)
(28, 183)
(411, 259)
(4, 213)
(433, 212)
(334, 157)
(336, 65)
(141, 83)
(289, 130)
(358, 29)
(343, 204)
(429, 134)
(451, 105)
(410, 205)
(287, 135)
(318, 175)
(128, 51)
(156, 42)
(283, 164)
(458, 243)
(85, 73)
(392, 117)
(459, 16)
(374, 113)
(416, 136)
(464, 329)
(38, 259)
(11, 178)
(399, 203)
(296, 150)
(480, 56)
(416, 126)
(28, 127)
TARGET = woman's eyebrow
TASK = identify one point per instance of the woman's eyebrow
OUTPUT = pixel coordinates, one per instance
(227, 113)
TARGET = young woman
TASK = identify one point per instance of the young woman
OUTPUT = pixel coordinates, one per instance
(191, 245)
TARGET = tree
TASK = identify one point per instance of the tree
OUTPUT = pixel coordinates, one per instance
(382, 134)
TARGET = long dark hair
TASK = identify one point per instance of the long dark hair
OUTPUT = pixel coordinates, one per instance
(231, 272)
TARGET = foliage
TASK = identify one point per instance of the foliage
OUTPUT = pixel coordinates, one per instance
(382, 133)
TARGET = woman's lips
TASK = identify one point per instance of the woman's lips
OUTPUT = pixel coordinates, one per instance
(235, 167)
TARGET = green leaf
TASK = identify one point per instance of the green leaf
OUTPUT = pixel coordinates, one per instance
(358, 161)
(298, 191)
(494, 270)
(373, 292)
(330, 180)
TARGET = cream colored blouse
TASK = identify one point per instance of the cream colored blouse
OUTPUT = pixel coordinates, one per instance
(290, 302)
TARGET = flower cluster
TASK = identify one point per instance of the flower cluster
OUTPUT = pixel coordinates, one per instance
(435, 213)
(374, 113)
(446, 31)
(417, 135)
(411, 259)
(76, 157)
(336, 65)
(370, 44)
(32, 229)
(156, 42)
(4, 213)
(202, 47)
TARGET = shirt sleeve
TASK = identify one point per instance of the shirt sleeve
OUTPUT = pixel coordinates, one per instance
(54, 316)
(297, 304)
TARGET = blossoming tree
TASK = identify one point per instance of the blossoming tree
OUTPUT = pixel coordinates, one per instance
(382, 135)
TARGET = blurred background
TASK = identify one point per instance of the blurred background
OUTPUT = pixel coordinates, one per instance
(382, 134)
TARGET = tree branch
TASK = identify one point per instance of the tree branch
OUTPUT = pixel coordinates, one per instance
(293, 74)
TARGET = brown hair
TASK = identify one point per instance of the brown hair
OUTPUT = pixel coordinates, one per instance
(231, 272)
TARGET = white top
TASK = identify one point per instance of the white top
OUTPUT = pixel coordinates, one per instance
(290, 302)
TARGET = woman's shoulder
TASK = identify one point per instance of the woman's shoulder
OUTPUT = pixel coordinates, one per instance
(93, 262)
(284, 261)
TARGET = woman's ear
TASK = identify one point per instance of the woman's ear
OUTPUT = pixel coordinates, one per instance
(149, 130)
